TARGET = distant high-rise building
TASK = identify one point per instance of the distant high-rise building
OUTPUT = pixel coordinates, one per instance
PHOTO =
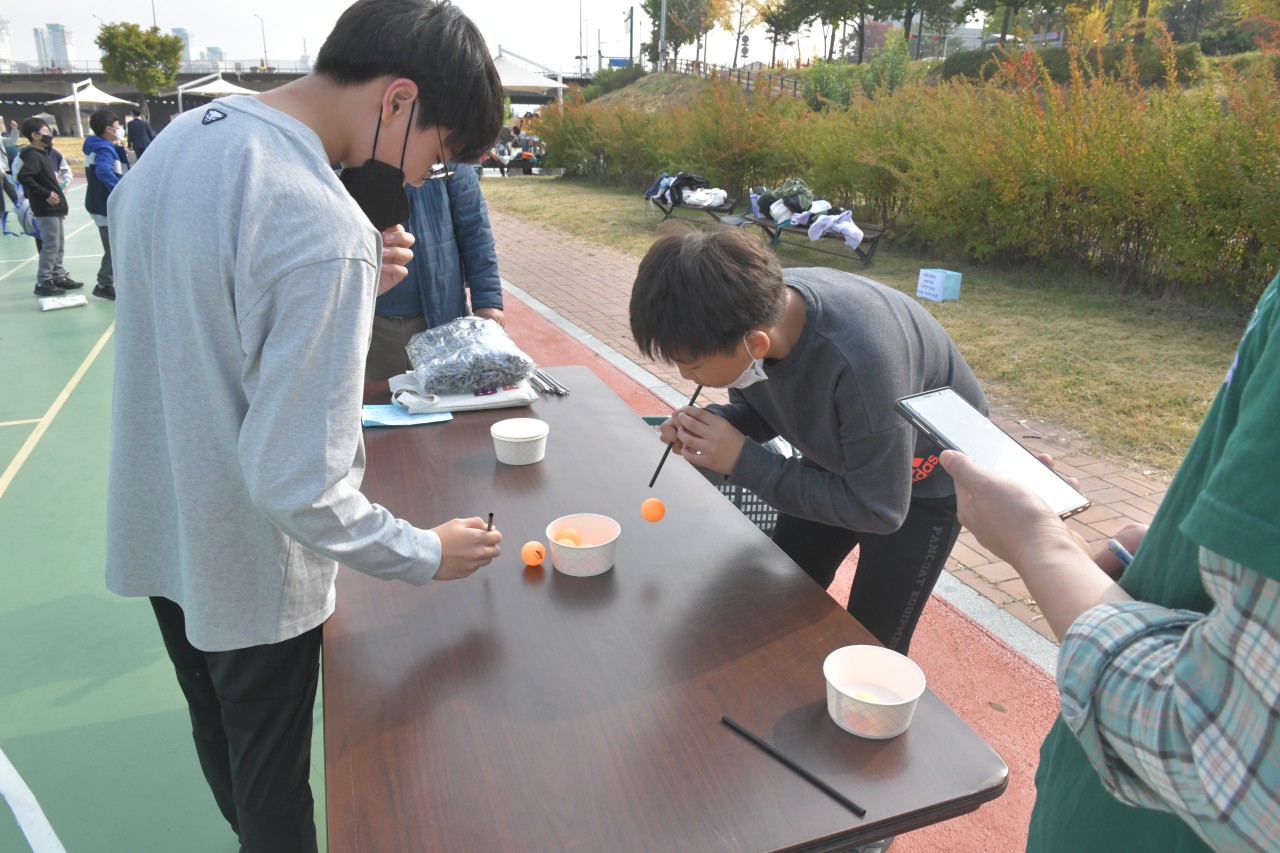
(44, 52)
(181, 33)
(210, 59)
(6, 45)
(55, 46)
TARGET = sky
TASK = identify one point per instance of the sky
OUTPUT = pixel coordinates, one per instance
(550, 32)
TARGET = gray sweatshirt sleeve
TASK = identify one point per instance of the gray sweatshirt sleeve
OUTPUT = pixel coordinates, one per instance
(300, 447)
(870, 493)
(744, 418)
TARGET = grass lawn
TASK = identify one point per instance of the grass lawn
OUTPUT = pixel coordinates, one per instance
(1130, 376)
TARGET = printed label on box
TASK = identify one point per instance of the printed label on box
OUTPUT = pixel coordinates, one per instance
(938, 285)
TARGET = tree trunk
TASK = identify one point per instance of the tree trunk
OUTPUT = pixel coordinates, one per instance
(831, 50)
(906, 25)
(1140, 35)
(1004, 27)
(773, 57)
(862, 34)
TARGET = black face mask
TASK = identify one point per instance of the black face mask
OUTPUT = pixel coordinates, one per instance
(379, 187)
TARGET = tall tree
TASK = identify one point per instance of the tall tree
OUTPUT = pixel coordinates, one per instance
(676, 35)
(740, 16)
(833, 14)
(781, 23)
(687, 21)
(145, 59)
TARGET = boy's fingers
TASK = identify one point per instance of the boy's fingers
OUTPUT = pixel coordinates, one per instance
(697, 414)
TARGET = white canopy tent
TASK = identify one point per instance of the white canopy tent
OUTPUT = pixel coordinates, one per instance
(517, 80)
(211, 86)
(85, 93)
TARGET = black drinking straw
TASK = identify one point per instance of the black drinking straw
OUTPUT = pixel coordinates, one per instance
(804, 774)
(490, 525)
(667, 452)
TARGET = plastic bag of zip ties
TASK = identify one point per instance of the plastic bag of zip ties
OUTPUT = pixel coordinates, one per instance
(466, 355)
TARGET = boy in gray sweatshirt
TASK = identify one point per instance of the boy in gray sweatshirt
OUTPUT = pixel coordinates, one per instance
(818, 357)
(236, 450)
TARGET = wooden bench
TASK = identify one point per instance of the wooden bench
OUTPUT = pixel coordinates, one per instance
(864, 251)
(716, 213)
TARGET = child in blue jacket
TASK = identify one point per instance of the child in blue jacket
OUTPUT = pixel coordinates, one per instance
(105, 163)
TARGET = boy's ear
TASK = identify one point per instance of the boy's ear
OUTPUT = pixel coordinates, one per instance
(399, 95)
(757, 343)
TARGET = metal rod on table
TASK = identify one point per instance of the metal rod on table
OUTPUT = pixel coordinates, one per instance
(556, 384)
(804, 774)
(667, 452)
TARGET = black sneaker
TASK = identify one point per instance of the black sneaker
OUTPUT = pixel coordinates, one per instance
(69, 284)
(105, 291)
(48, 288)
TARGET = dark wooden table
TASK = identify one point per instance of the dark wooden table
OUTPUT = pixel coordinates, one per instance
(524, 710)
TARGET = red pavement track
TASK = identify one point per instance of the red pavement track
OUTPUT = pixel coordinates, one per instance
(1006, 699)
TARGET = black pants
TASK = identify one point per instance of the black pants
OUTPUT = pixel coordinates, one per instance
(105, 275)
(896, 571)
(251, 720)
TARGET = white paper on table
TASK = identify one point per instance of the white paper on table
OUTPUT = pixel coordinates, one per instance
(393, 415)
(406, 393)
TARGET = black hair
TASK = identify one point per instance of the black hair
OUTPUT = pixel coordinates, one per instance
(135, 112)
(436, 46)
(698, 292)
(32, 125)
(100, 120)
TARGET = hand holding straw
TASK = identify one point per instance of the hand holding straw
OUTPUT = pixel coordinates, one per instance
(667, 452)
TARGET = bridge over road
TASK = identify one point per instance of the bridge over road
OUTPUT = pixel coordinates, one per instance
(24, 94)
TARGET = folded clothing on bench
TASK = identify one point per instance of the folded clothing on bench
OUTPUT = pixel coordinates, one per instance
(704, 197)
(842, 224)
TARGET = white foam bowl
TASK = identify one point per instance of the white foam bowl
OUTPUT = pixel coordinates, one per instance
(595, 556)
(520, 441)
(871, 691)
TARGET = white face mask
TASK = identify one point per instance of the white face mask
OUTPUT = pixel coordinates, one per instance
(753, 374)
(119, 134)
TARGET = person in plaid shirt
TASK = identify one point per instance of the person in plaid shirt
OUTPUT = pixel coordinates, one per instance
(1169, 737)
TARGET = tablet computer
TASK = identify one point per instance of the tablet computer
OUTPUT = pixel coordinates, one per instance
(951, 422)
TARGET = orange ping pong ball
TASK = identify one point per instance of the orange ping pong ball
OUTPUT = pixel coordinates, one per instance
(533, 553)
(568, 533)
(653, 509)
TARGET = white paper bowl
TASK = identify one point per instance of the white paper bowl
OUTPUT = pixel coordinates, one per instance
(520, 441)
(599, 537)
(871, 691)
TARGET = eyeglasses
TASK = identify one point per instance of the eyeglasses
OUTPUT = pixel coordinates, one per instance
(440, 171)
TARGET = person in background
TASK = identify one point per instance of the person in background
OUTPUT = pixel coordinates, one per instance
(453, 255)
(104, 165)
(501, 154)
(1169, 737)
(7, 187)
(241, 332)
(12, 141)
(44, 182)
(139, 132)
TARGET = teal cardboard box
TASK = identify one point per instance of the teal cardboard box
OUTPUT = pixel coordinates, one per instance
(938, 285)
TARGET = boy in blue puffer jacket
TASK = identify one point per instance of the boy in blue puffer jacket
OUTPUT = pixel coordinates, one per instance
(105, 163)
